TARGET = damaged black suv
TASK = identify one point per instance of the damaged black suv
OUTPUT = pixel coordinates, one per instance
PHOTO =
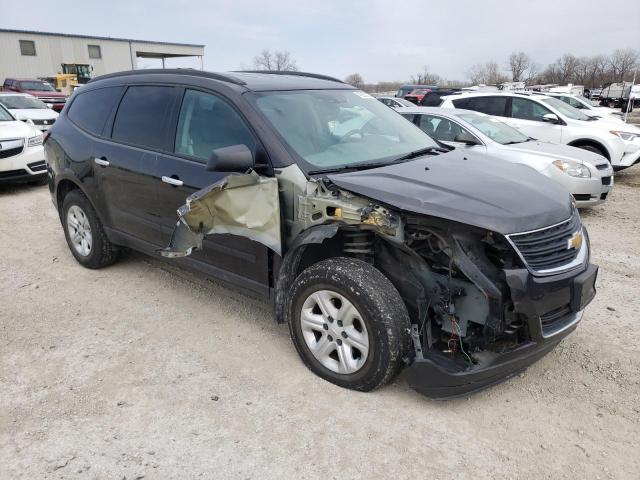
(382, 249)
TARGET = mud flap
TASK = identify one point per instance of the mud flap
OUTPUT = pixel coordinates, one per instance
(246, 205)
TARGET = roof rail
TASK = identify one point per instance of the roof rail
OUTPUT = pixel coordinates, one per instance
(291, 72)
(179, 71)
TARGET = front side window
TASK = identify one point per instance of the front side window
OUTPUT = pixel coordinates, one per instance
(27, 48)
(94, 51)
(21, 101)
(494, 129)
(206, 123)
(333, 129)
(91, 109)
(526, 109)
(141, 114)
(440, 128)
(565, 109)
(573, 102)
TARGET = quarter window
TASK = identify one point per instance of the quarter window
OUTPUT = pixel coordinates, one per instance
(526, 109)
(94, 51)
(141, 115)
(28, 48)
(91, 109)
(206, 123)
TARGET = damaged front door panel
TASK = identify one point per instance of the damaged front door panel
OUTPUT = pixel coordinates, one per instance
(245, 205)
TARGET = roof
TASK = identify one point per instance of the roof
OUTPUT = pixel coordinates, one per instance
(116, 39)
(445, 112)
(251, 80)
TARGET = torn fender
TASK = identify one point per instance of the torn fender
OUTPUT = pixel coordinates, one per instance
(246, 205)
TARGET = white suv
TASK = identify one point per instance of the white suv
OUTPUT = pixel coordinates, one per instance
(552, 120)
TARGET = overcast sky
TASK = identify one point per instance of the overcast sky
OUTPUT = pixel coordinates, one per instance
(382, 40)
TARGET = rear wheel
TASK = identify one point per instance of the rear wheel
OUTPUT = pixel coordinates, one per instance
(348, 323)
(84, 233)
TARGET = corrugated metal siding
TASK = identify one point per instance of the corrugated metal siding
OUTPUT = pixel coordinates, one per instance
(53, 50)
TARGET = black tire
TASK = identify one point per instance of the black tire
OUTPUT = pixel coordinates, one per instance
(380, 306)
(102, 253)
(592, 148)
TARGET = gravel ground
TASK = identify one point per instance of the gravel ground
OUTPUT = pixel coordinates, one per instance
(145, 370)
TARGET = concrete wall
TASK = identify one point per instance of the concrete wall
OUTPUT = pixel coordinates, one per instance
(52, 50)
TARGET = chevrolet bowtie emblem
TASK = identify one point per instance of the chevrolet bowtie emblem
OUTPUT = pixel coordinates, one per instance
(575, 241)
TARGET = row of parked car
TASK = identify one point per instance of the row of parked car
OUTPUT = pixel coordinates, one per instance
(27, 109)
(412, 239)
(562, 136)
(23, 119)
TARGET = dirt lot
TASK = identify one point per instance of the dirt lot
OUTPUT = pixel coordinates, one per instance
(144, 370)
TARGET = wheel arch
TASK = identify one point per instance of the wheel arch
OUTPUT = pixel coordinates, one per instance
(592, 143)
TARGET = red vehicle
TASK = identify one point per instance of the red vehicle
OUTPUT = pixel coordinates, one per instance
(39, 89)
(417, 95)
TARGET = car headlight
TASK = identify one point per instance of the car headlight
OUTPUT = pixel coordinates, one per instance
(35, 141)
(628, 136)
(573, 168)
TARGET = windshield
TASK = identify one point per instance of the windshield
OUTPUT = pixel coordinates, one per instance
(333, 129)
(19, 101)
(37, 86)
(5, 116)
(566, 109)
(494, 129)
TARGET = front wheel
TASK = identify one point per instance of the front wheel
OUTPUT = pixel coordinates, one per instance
(348, 323)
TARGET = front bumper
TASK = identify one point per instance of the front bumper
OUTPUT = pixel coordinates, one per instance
(553, 307)
(27, 166)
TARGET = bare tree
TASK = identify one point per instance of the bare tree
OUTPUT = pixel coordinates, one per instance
(425, 78)
(488, 74)
(276, 61)
(565, 68)
(355, 79)
(622, 62)
(519, 63)
(532, 73)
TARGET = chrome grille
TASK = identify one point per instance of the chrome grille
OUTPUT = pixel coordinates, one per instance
(549, 248)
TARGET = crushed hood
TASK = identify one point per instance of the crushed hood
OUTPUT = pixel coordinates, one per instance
(466, 187)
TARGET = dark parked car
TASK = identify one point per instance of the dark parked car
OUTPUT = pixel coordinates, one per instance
(380, 249)
(434, 98)
(407, 89)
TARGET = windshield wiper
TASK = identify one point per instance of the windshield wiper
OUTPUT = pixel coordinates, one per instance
(347, 168)
(421, 152)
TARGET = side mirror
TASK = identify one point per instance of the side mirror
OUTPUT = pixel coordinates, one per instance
(466, 138)
(551, 118)
(235, 158)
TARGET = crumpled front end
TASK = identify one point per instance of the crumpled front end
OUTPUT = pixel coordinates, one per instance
(487, 306)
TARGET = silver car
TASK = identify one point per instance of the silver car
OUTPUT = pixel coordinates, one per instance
(587, 175)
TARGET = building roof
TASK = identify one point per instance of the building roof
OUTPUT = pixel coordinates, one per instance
(94, 37)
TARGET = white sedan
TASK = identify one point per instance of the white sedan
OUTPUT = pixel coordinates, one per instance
(21, 152)
(587, 175)
(29, 109)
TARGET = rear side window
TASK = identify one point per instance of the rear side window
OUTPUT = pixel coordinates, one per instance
(206, 123)
(91, 109)
(488, 105)
(141, 115)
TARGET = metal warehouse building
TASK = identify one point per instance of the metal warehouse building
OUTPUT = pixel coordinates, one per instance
(41, 54)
